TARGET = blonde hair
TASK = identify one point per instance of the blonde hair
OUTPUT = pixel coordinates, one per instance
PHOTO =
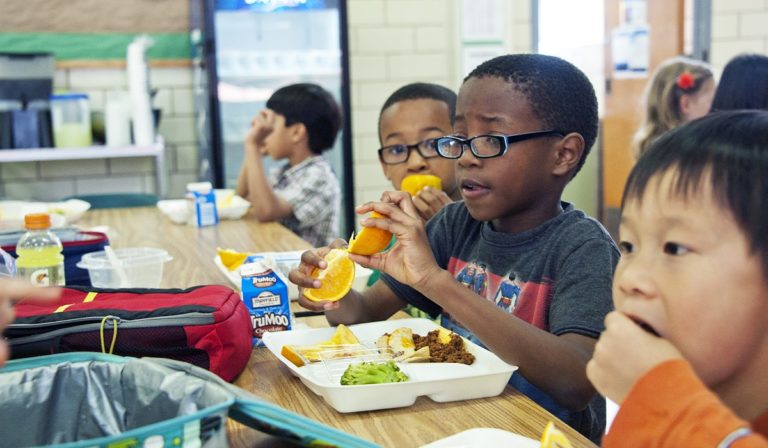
(662, 99)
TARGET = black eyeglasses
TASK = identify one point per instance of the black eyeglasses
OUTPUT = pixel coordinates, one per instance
(395, 154)
(486, 146)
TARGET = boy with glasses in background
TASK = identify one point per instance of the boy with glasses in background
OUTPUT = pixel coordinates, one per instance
(410, 121)
(524, 125)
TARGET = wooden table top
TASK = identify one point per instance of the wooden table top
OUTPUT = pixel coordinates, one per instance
(193, 251)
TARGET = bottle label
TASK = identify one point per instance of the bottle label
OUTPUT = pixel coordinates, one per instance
(48, 276)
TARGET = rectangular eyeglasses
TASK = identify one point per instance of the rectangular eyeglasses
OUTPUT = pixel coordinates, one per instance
(486, 146)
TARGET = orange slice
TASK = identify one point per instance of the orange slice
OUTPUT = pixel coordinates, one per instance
(416, 182)
(231, 258)
(336, 279)
(301, 355)
(554, 438)
(291, 354)
(370, 240)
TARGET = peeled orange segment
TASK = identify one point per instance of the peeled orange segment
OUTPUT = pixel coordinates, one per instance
(554, 438)
(370, 240)
(230, 258)
(416, 182)
(336, 279)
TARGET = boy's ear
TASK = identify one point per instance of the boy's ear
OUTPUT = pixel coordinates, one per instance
(298, 132)
(569, 152)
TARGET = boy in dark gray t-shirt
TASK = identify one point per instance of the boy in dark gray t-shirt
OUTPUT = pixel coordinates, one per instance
(558, 275)
(511, 266)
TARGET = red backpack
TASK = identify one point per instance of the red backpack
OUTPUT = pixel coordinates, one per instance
(208, 326)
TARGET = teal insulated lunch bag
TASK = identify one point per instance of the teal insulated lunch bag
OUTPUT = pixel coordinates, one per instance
(97, 400)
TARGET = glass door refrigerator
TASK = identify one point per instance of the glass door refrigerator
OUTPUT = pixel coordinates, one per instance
(244, 50)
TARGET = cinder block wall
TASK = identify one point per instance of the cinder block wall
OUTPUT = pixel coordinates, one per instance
(395, 42)
(392, 43)
(738, 26)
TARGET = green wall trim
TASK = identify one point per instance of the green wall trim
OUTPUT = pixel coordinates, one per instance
(95, 46)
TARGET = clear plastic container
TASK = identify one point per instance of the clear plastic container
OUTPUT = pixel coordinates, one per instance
(39, 250)
(71, 115)
(142, 267)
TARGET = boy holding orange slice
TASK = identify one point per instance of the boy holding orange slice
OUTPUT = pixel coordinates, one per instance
(523, 127)
(410, 120)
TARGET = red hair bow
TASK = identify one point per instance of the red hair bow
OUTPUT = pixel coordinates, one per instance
(685, 81)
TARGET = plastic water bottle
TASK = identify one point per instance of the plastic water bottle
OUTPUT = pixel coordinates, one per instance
(40, 260)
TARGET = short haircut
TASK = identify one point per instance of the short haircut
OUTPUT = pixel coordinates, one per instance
(560, 95)
(729, 151)
(743, 84)
(312, 106)
(421, 91)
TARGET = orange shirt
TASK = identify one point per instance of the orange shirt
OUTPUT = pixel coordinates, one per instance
(670, 407)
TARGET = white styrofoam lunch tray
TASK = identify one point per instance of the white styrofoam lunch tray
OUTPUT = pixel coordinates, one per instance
(484, 438)
(441, 382)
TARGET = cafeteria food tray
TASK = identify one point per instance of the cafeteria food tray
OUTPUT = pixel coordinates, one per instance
(441, 382)
(483, 438)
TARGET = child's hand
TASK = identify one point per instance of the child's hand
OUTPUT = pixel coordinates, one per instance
(261, 126)
(410, 260)
(12, 291)
(623, 354)
(301, 275)
(429, 201)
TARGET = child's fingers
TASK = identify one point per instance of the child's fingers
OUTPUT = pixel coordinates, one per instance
(429, 201)
(316, 306)
(16, 290)
(302, 279)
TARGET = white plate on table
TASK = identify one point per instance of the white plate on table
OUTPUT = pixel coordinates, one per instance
(484, 438)
(62, 213)
(441, 382)
(228, 206)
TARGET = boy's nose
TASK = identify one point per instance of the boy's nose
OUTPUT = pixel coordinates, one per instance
(467, 158)
(634, 277)
(416, 162)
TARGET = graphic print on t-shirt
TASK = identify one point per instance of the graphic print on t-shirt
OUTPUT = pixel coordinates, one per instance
(508, 293)
(527, 299)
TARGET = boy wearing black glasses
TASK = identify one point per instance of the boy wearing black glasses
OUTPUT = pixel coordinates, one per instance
(409, 123)
(524, 125)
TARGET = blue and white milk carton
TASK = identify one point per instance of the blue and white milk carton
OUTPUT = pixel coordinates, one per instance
(265, 294)
(203, 204)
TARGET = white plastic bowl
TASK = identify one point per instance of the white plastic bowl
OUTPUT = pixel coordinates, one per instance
(143, 267)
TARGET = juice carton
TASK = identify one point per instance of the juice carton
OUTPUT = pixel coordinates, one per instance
(265, 294)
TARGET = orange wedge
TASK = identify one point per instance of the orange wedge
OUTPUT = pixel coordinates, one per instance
(336, 279)
(370, 240)
(554, 438)
(291, 354)
(231, 258)
(301, 355)
(416, 182)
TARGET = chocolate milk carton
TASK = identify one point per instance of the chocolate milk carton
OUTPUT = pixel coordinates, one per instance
(265, 294)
